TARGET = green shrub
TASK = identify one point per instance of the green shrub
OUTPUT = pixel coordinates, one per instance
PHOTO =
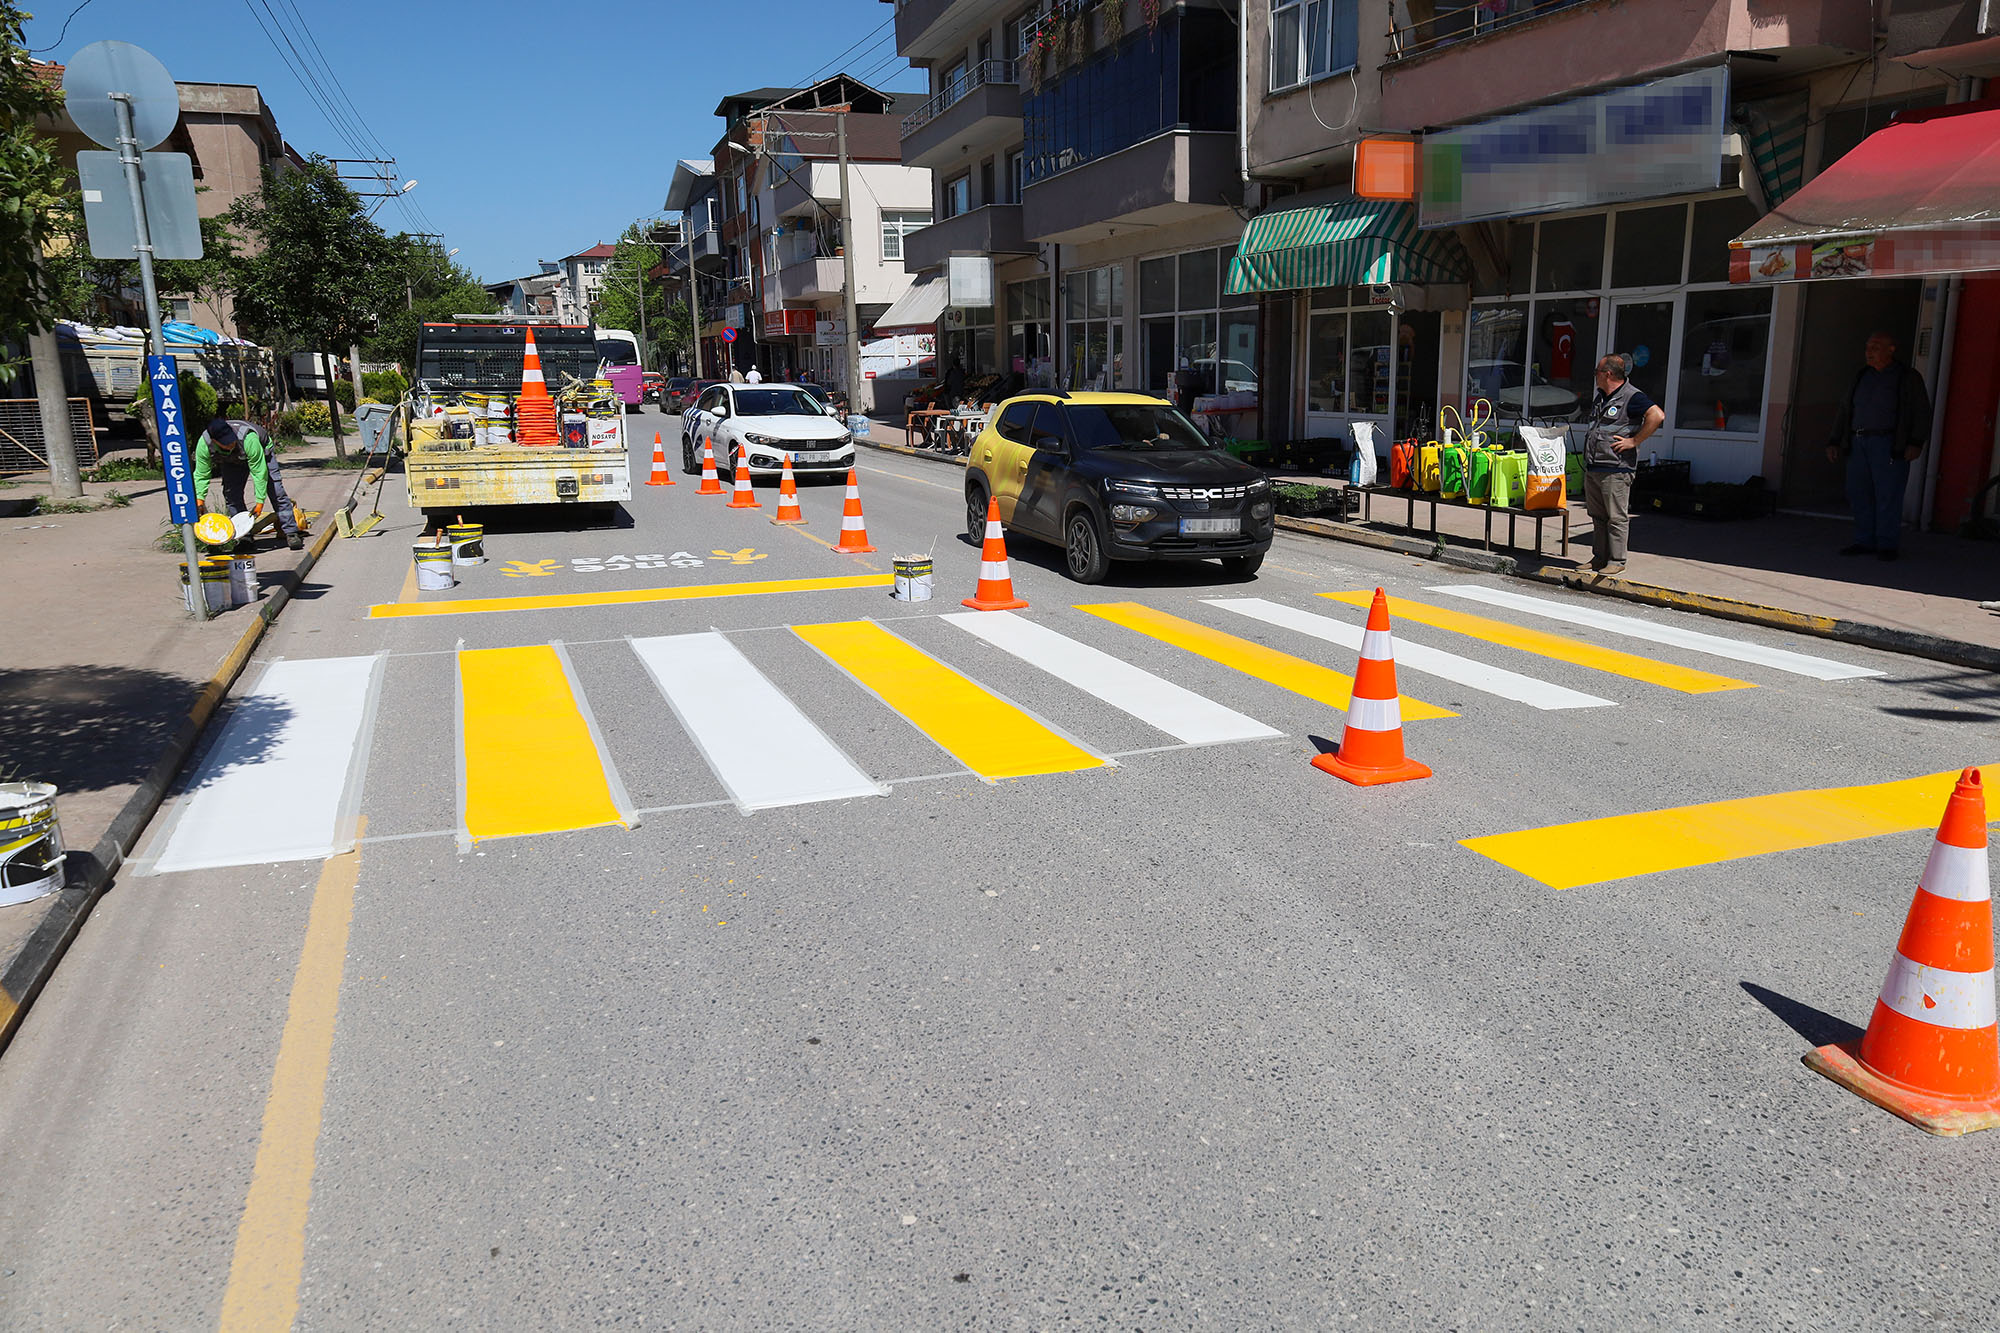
(308, 419)
(199, 403)
(343, 393)
(124, 469)
(384, 386)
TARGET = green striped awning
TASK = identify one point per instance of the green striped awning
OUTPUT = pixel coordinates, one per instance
(1774, 133)
(1343, 244)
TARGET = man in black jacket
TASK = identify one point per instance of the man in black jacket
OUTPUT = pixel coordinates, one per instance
(1882, 426)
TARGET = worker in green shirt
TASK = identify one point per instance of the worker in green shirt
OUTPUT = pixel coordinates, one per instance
(233, 452)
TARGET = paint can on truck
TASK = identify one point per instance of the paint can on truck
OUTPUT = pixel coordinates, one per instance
(433, 566)
(468, 543)
(31, 845)
(913, 578)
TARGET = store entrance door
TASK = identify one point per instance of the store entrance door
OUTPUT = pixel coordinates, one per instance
(1833, 330)
(1644, 331)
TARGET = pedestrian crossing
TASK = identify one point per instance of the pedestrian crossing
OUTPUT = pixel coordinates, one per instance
(755, 719)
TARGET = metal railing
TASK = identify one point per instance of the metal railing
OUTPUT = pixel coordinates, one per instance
(976, 76)
(1465, 20)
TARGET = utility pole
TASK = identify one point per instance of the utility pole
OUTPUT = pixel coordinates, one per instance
(860, 398)
(65, 480)
(694, 299)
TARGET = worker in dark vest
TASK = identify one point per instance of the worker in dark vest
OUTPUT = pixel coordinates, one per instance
(1882, 426)
(1621, 419)
(234, 453)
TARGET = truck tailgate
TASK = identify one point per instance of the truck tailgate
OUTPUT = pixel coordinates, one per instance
(510, 474)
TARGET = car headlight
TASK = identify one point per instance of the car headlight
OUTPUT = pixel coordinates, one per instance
(749, 438)
(1130, 513)
(1262, 509)
(843, 442)
(1257, 488)
(1134, 488)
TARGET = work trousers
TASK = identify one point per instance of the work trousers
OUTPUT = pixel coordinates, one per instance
(1877, 472)
(1607, 496)
(235, 477)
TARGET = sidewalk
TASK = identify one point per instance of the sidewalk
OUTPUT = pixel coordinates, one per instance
(103, 670)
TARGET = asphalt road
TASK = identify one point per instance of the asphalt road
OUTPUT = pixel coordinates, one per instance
(1200, 1037)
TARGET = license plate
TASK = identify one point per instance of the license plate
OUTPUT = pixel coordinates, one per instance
(1209, 527)
(812, 456)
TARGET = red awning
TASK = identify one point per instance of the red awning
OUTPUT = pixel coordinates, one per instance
(1921, 195)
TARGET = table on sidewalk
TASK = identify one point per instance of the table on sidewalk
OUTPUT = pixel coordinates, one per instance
(1540, 516)
(921, 420)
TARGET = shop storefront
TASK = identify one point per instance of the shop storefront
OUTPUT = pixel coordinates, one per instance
(1030, 336)
(1093, 315)
(1195, 336)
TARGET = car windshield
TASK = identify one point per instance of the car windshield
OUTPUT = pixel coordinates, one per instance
(775, 403)
(679, 382)
(1132, 426)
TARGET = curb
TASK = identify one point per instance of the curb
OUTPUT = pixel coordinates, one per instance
(91, 875)
(928, 455)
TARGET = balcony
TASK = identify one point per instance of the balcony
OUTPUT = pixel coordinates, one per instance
(1168, 178)
(993, 230)
(809, 279)
(789, 197)
(705, 245)
(929, 29)
(982, 110)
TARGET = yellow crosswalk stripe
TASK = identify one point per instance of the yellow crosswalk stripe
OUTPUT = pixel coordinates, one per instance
(565, 601)
(1310, 679)
(987, 734)
(1596, 851)
(1685, 679)
(531, 763)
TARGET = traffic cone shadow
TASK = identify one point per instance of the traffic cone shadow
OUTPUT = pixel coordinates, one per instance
(1931, 1053)
(1371, 748)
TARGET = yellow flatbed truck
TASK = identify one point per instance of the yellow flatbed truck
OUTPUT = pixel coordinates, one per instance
(462, 451)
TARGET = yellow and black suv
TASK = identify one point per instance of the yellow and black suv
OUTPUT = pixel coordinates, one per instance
(1116, 476)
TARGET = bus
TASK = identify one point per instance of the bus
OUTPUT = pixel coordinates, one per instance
(618, 353)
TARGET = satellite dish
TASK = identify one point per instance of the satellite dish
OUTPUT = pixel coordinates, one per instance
(104, 68)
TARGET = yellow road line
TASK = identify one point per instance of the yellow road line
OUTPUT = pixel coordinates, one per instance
(530, 762)
(864, 563)
(1322, 684)
(264, 1273)
(884, 472)
(563, 601)
(1685, 679)
(987, 734)
(1597, 851)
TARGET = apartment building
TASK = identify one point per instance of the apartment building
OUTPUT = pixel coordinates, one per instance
(697, 266)
(1086, 189)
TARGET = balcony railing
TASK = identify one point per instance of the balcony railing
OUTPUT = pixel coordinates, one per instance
(1452, 21)
(977, 76)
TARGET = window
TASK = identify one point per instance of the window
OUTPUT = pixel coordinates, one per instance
(986, 183)
(1094, 333)
(1571, 255)
(1646, 246)
(1021, 28)
(1133, 426)
(1013, 423)
(1311, 39)
(1049, 432)
(953, 85)
(895, 226)
(1186, 332)
(1722, 360)
(1014, 182)
(1030, 348)
(957, 195)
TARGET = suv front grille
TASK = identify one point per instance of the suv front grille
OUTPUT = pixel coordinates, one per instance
(1209, 493)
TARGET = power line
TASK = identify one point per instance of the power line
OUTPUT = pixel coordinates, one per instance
(65, 30)
(834, 63)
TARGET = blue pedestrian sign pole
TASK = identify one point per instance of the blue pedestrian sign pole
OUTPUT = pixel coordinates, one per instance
(175, 457)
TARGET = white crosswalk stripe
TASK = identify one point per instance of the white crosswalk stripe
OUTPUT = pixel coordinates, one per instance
(280, 781)
(764, 751)
(1433, 661)
(1736, 650)
(1160, 704)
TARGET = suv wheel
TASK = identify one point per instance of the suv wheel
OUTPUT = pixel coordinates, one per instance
(1083, 550)
(975, 512)
(1242, 566)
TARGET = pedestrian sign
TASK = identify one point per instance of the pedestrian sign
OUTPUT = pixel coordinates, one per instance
(176, 460)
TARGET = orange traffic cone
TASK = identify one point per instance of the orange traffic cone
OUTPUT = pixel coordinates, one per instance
(1931, 1053)
(710, 483)
(535, 413)
(788, 497)
(744, 498)
(853, 532)
(660, 477)
(996, 585)
(1371, 749)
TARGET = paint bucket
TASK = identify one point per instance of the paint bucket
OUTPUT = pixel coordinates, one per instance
(433, 567)
(913, 578)
(468, 543)
(31, 845)
(242, 580)
(214, 583)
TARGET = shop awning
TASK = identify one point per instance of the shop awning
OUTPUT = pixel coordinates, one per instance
(916, 311)
(1919, 196)
(1341, 243)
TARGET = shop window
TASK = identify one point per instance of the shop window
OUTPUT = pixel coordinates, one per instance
(1326, 363)
(1157, 347)
(1198, 285)
(1570, 254)
(1238, 370)
(1646, 246)
(1496, 352)
(1368, 362)
(1563, 355)
(1156, 286)
(1717, 222)
(1722, 360)
(1094, 336)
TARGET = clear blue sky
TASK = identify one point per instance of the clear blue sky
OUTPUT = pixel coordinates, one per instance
(533, 130)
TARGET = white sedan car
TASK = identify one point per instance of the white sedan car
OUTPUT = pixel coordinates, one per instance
(768, 421)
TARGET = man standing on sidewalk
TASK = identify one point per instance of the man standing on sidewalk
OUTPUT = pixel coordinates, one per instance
(1621, 419)
(232, 451)
(1883, 424)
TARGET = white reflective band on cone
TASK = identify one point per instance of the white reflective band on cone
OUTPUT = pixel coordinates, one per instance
(1378, 645)
(1957, 999)
(993, 533)
(1374, 714)
(851, 523)
(992, 570)
(1957, 872)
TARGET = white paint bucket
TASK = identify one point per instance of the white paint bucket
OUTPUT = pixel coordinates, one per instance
(913, 578)
(433, 567)
(31, 845)
(242, 580)
(468, 543)
(213, 582)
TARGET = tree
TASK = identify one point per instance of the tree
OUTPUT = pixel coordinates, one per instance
(31, 188)
(428, 289)
(320, 270)
(629, 271)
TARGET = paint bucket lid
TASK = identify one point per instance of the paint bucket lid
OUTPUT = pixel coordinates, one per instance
(243, 523)
(214, 529)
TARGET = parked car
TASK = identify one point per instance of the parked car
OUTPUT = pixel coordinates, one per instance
(678, 391)
(768, 421)
(650, 383)
(1116, 476)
